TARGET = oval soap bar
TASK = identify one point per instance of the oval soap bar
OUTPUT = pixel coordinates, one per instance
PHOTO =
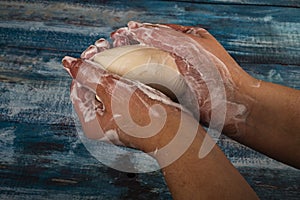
(148, 65)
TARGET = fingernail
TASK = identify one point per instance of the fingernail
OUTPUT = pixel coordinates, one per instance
(133, 24)
(102, 43)
(89, 52)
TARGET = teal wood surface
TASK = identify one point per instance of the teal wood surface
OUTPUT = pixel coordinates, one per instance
(41, 156)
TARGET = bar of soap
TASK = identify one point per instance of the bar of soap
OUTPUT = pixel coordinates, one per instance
(148, 65)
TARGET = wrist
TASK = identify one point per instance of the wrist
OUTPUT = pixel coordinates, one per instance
(162, 137)
(240, 104)
(175, 139)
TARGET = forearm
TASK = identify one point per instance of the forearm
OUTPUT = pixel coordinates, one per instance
(273, 123)
(212, 177)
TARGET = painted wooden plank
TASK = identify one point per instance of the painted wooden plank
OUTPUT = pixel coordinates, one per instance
(49, 162)
(272, 32)
(281, 3)
(41, 156)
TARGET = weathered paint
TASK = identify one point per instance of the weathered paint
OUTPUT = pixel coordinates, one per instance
(41, 156)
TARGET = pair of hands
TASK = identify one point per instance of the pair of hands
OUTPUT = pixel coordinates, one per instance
(132, 114)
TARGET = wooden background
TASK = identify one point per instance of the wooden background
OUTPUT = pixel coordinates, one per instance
(41, 156)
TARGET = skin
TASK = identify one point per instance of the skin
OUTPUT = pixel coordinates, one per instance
(273, 122)
(212, 177)
(271, 127)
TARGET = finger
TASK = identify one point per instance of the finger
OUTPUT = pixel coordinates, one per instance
(86, 76)
(215, 50)
(121, 37)
(71, 65)
(207, 41)
(100, 45)
(171, 41)
(85, 72)
(206, 64)
(89, 52)
(202, 37)
(87, 110)
(191, 30)
(84, 104)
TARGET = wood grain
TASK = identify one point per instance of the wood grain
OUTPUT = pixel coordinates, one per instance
(41, 156)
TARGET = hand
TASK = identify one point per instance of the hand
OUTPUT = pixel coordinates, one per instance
(93, 92)
(206, 66)
(122, 111)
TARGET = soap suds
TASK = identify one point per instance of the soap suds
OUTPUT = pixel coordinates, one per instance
(111, 136)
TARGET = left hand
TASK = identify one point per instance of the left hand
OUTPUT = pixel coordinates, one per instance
(122, 111)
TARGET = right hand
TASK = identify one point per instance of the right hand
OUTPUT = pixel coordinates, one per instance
(198, 54)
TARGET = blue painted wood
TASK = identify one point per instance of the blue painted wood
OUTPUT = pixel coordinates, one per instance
(41, 156)
(280, 3)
